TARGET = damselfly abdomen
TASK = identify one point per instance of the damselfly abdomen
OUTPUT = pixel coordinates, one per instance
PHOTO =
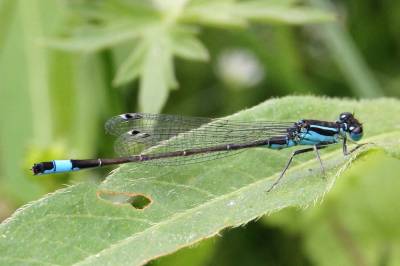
(176, 140)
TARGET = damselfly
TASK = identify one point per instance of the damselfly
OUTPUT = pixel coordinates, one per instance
(176, 140)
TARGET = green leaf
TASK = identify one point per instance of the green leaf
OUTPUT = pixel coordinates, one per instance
(231, 13)
(97, 39)
(288, 15)
(157, 74)
(151, 61)
(132, 67)
(187, 45)
(110, 23)
(357, 222)
(188, 203)
(212, 13)
(116, 22)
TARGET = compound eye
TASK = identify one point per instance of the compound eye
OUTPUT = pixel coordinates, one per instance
(356, 133)
(356, 130)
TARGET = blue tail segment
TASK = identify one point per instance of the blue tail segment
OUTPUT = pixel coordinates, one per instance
(61, 166)
(55, 166)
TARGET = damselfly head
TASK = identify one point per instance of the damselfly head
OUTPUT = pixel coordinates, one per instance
(351, 125)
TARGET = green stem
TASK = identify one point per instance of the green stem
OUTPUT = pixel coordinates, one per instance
(347, 56)
(36, 64)
(7, 9)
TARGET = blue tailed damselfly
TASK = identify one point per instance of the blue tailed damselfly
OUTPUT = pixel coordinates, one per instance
(176, 140)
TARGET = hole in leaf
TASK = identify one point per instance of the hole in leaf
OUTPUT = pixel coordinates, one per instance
(138, 201)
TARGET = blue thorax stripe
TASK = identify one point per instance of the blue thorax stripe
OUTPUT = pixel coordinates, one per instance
(322, 130)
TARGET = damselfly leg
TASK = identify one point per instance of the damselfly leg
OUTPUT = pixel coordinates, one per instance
(297, 152)
(347, 152)
(315, 148)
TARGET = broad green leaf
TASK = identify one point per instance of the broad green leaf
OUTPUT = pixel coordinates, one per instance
(188, 203)
(364, 211)
(358, 220)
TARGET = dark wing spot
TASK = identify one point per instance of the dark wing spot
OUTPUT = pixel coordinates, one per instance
(138, 134)
(130, 116)
(134, 132)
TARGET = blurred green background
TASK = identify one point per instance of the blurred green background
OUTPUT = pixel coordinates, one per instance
(66, 66)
